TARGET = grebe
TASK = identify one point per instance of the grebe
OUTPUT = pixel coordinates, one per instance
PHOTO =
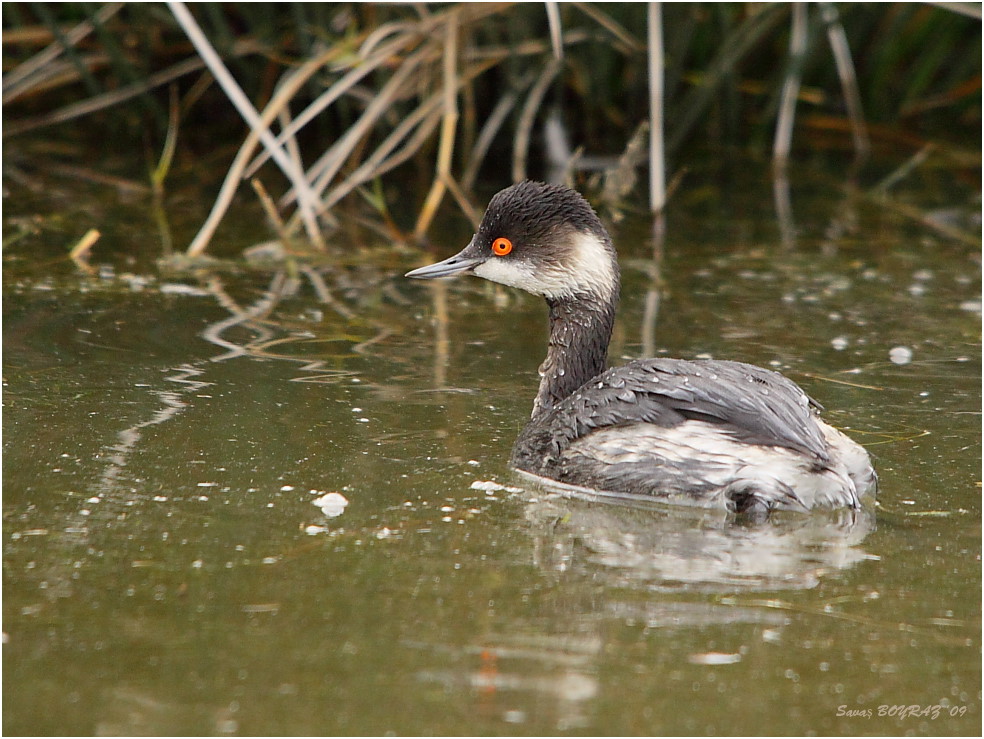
(710, 433)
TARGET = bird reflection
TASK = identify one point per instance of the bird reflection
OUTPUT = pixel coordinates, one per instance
(693, 549)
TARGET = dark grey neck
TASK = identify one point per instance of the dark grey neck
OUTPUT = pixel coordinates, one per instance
(580, 329)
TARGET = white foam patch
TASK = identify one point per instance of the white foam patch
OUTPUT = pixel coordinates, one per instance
(331, 504)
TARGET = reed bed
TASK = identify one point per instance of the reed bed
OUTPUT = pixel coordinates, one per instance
(330, 100)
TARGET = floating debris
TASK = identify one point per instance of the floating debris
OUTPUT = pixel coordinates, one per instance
(490, 486)
(900, 355)
(487, 485)
(179, 288)
(714, 658)
(331, 504)
(261, 608)
(514, 716)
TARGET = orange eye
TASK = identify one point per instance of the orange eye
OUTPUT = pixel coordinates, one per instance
(501, 246)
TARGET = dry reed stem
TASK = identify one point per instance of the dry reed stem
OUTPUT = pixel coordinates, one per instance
(507, 101)
(657, 154)
(270, 209)
(464, 203)
(18, 80)
(114, 97)
(333, 93)
(791, 86)
(307, 200)
(612, 26)
(904, 169)
(415, 128)
(428, 115)
(848, 78)
(363, 172)
(782, 200)
(525, 124)
(58, 73)
(424, 119)
(556, 32)
(285, 92)
(971, 10)
(523, 48)
(327, 166)
(449, 124)
(80, 252)
(290, 143)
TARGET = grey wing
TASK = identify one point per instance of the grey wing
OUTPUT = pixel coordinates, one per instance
(757, 405)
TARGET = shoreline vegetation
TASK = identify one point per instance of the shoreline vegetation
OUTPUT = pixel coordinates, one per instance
(328, 101)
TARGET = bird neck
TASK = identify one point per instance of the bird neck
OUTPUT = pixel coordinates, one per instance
(580, 329)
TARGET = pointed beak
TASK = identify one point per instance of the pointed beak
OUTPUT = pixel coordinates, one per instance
(460, 263)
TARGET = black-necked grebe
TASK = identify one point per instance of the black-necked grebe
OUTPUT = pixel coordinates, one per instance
(710, 433)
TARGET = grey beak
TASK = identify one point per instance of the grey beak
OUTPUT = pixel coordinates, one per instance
(456, 265)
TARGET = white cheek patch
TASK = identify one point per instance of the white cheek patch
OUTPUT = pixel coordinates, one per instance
(511, 273)
(592, 268)
(587, 268)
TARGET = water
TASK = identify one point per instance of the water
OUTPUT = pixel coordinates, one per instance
(166, 572)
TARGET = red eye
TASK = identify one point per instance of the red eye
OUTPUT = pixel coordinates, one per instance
(501, 246)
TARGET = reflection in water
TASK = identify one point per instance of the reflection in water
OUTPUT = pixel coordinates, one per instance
(683, 549)
(507, 668)
(114, 491)
(174, 401)
(675, 556)
(653, 292)
(128, 709)
(268, 331)
(265, 335)
(784, 208)
(172, 405)
(251, 316)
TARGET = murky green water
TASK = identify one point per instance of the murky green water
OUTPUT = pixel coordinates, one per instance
(165, 570)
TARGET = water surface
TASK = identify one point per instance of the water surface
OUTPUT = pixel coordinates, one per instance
(165, 570)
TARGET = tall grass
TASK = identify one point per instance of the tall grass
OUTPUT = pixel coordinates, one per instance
(330, 98)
